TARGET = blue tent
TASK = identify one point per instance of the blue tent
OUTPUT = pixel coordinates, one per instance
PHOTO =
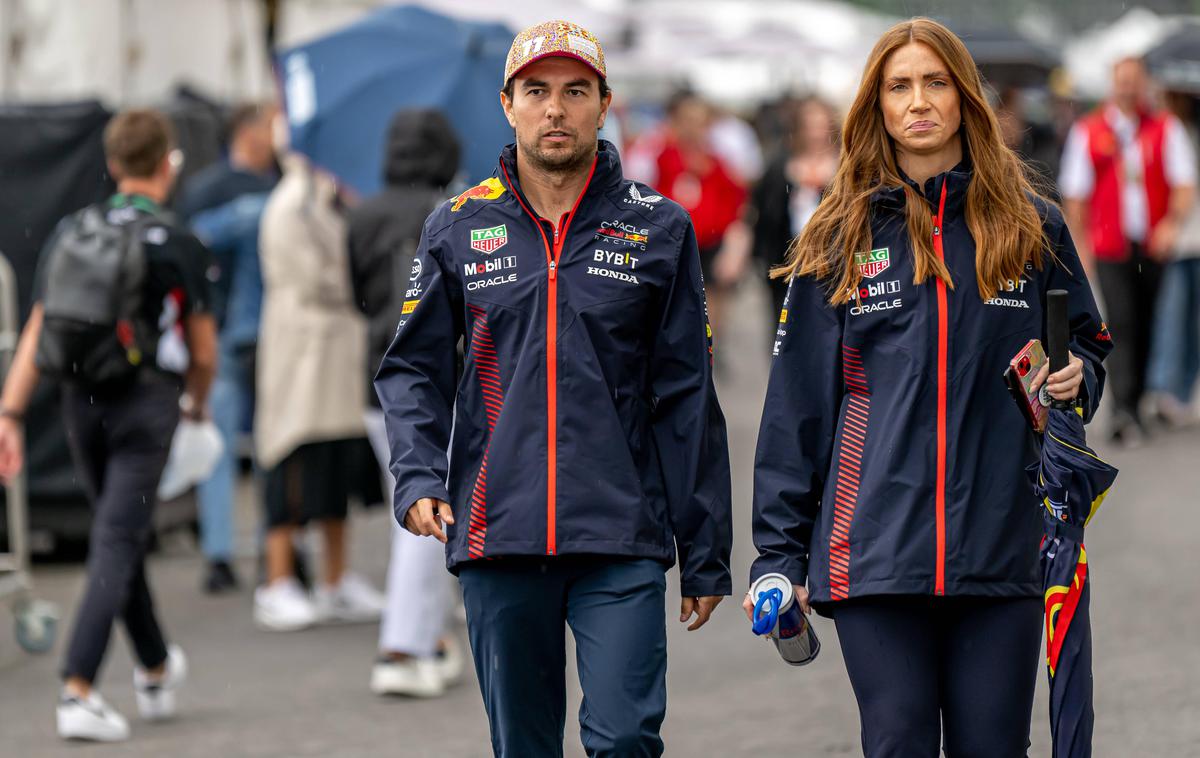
(341, 91)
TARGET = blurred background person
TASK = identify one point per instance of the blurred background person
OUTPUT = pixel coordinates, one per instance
(1175, 357)
(310, 400)
(416, 655)
(120, 424)
(736, 143)
(223, 203)
(682, 164)
(1128, 182)
(791, 188)
(1034, 142)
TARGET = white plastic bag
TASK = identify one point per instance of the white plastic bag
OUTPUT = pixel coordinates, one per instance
(195, 450)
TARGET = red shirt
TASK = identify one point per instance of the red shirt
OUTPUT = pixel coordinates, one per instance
(703, 186)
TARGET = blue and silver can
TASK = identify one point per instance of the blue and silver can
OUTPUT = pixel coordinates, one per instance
(777, 615)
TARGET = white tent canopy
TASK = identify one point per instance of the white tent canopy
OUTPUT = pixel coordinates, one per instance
(735, 52)
(132, 51)
(1089, 58)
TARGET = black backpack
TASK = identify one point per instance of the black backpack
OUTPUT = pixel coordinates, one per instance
(93, 331)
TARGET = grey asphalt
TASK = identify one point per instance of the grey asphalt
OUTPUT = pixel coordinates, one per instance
(305, 694)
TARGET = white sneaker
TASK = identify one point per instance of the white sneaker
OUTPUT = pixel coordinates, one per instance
(1172, 413)
(156, 697)
(414, 677)
(352, 601)
(90, 718)
(283, 606)
(450, 662)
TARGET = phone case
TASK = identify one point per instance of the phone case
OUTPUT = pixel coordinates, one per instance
(1019, 376)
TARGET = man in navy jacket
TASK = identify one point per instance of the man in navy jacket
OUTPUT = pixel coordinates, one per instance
(588, 447)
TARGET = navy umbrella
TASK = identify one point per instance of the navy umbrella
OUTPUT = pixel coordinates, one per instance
(342, 90)
(1071, 482)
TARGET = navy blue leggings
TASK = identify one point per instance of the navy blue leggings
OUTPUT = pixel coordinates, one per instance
(517, 613)
(926, 669)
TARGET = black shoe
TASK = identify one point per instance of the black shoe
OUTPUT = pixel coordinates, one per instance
(1127, 431)
(220, 578)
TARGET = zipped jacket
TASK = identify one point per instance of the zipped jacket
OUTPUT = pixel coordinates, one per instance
(585, 420)
(891, 458)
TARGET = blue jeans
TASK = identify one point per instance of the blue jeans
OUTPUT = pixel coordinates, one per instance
(1175, 359)
(230, 403)
(517, 612)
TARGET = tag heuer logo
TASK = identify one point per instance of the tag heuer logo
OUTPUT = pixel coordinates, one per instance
(489, 240)
(874, 263)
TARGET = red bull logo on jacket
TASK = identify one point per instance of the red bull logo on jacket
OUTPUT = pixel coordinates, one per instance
(489, 189)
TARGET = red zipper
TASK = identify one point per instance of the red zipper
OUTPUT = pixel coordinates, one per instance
(553, 252)
(943, 356)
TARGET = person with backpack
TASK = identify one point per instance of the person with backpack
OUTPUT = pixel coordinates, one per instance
(121, 318)
(416, 656)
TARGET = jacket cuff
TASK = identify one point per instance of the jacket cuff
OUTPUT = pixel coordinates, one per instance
(406, 498)
(795, 570)
(1087, 391)
(701, 587)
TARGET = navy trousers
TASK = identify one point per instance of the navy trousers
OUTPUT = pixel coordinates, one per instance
(924, 669)
(517, 613)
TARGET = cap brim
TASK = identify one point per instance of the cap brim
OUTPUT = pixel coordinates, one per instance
(556, 54)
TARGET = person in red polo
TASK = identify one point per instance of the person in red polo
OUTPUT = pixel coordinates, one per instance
(1128, 180)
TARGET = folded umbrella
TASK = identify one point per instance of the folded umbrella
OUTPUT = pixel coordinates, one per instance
(1071, 481)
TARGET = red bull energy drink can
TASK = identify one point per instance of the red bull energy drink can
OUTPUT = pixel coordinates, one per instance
(777, 615)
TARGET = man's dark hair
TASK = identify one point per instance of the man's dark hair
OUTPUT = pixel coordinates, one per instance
(508, 87)
(679, 98)
(137, 140)
(242, 116)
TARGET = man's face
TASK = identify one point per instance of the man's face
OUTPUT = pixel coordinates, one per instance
(1129, 84)
(257, 141)
(556, 111)
(690, 122)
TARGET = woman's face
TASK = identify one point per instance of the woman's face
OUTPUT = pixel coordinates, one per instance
(919, 100)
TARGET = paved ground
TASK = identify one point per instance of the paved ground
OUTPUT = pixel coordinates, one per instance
(257, 694)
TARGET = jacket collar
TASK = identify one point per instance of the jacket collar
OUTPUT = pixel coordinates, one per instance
(607, 176)
(959, 178)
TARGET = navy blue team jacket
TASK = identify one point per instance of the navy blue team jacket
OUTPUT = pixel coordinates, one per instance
(585, 419)
(891, 458)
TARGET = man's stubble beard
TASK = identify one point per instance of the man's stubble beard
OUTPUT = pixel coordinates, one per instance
(575, 161)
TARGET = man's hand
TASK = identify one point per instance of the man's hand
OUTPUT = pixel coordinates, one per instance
(1162, 241)
(1064, 384)
(701, 606)
(798, 591)
(426, 516)
(12, 449)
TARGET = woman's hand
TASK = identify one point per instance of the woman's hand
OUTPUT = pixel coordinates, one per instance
(1064, 384)
(799, 592)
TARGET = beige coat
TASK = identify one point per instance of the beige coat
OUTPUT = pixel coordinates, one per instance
(312, 341)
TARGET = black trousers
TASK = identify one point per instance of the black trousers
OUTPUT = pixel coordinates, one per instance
(119, 439)
(1130, 291)
(926, 669)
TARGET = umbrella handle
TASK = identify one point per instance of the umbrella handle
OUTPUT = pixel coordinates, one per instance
(1057, 329)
